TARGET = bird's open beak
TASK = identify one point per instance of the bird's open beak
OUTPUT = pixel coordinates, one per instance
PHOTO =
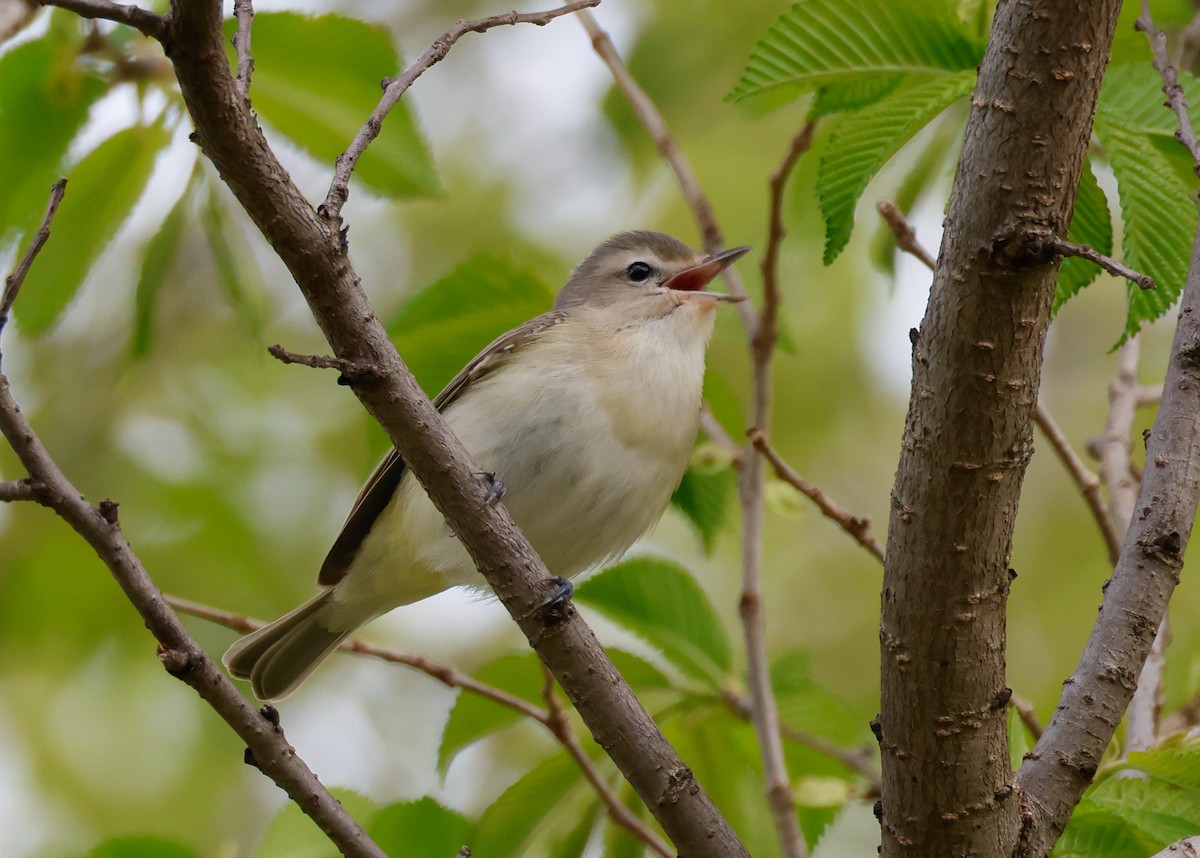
(694, 279)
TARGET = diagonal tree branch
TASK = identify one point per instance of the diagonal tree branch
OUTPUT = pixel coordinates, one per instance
(1136, 597)
(140, 19)
(229, 136)
(180, 654)
(14, 281)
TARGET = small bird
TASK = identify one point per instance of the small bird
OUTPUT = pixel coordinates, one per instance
(586, 415)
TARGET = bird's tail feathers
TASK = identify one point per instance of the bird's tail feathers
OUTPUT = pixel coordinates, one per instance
(281, 655)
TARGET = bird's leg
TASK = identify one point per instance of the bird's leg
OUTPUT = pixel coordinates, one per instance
(556, 606)
(496, 488)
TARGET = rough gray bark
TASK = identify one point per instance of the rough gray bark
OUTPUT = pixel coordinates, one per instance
(1063, 762)
(947, 782)
(311, 249)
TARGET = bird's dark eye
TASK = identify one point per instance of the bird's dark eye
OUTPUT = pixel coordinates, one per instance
(639, 272)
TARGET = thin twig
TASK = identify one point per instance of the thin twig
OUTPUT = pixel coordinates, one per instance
(243, 11)
(13, 282)
(859, 761)
(1148, 395)
(1087, 482)
(715, 432)
(1115, 446)
(348, 369)
(652, 120)
(443, 673)
(553, 718)
(859, 527)
(394, 89)
(178, 650)
(1176, 100)
(752, 492)
(906, 236)
(766, 331)
(1189, 847)
(22, 490)
(133, 16)
(1138, 594)
(1027, 714)
(560, 726)
(1112, 266)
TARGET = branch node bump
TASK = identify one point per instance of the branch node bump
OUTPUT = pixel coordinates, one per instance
(176, 662)
(108, 510)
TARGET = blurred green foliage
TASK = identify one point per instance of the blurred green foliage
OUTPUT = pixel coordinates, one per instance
(138, 349)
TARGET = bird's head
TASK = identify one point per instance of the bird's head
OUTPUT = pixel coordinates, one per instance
(646, 275)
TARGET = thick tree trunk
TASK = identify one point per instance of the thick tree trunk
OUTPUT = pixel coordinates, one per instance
(968, 436)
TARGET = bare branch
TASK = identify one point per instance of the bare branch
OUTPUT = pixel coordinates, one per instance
(751, 490)
(314, 254)
(1137, 595)
(13, 282)
(443, 673)
(133, 16)
(766, 331)
(1027, 714)
(1148, 395)
(1176, 100)
(1087, 482)
(178, 651)
(351, 370)
(857, 526)
(906, 236)
(553, 718)
(22, 490)
(243, 11)
(560, 726)
(715, 432)
(394, 89)
(1112, 266)
(652, 120)
(1189, 847)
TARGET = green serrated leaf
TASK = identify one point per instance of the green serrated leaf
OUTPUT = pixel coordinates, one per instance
(1175, 760)
(853, 94)
(1161, 811)
(703, 497)
(863, 142)
(292, 834)
(1096, 833)
(142, 847)
(474, 717)
(1159, 215)
(1091, 224)
(45, 96)
(509, 824)
(101, 192)
(316, 81)
(660, 602)
(157, 260)
(441, 327)
(420, 829)
(822, 42)
(1132, 96)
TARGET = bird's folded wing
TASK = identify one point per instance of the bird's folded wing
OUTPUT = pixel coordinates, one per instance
(381, 485)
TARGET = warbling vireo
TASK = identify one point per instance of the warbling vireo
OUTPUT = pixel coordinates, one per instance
(587, 414)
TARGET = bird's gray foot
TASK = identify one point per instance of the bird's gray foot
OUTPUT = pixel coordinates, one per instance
(496, 488)
(556, 606)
